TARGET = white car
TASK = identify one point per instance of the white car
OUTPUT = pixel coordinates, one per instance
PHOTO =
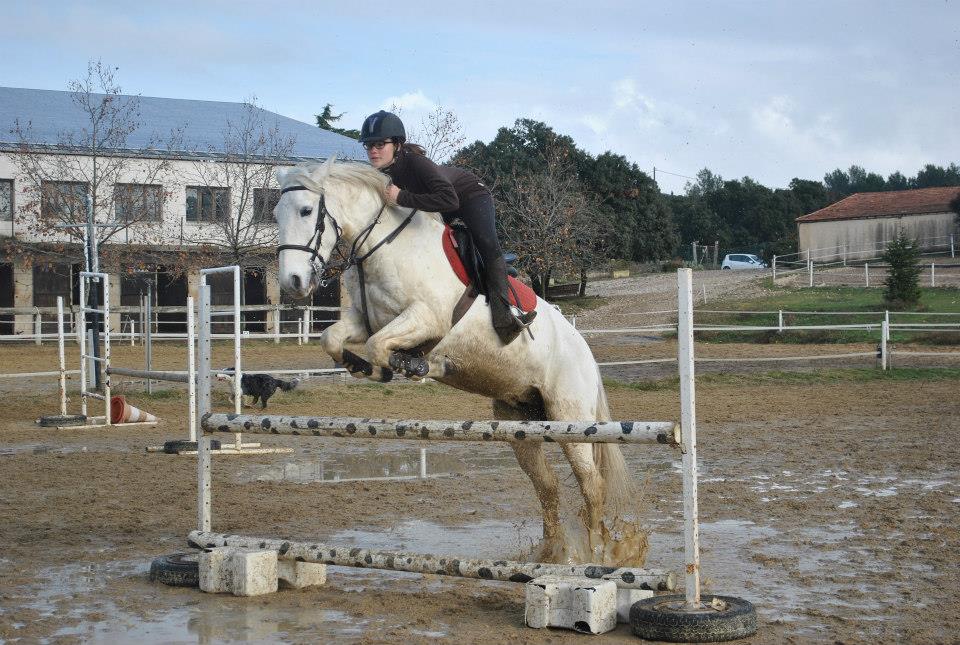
(742, 261)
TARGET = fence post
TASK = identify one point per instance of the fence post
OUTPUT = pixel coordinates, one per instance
(148, 336)
(886, 322)
(951, 245)
(62, 357)
(423, 463)
(933, 274)
(191, 370)
(305, 327)
(688, 421)
(203, 408)
(774, 268)
(276, 324)
(38, 328)
(866, 273)
(704, 287)
(810, 270)
(780, 321)
(884, 335)
(844, 255)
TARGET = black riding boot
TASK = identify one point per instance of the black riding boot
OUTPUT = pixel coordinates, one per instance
(508, 322)
(480, 219)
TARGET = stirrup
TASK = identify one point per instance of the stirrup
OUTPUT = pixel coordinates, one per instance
(521, 322)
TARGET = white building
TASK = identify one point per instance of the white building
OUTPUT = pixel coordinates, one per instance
(171, 183)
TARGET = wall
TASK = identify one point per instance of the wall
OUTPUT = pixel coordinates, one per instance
(871, 232)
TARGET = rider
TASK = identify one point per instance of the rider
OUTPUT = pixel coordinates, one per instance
(454, 193)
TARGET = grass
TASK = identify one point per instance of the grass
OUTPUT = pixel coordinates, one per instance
(851, 299)
(777, 377)
(575, 306)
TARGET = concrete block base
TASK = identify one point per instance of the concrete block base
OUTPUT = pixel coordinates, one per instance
(300, 575)
(625, 600)
(237, 571)
(584, 605)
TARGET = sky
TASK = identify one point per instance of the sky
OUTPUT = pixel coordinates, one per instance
(772, 90)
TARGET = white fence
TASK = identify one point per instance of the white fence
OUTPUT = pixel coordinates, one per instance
(931, 246)
(302, 323)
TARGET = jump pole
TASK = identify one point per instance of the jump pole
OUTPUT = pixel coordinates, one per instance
(688, 427)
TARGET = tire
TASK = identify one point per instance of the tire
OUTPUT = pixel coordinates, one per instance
(179, 445)
(62, 420)
(176, 570)
(661, 618)
(725, 268)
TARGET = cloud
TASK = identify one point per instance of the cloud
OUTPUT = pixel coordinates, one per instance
(410, 102)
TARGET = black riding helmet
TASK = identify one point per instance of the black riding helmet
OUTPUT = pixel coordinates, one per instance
(381, 126)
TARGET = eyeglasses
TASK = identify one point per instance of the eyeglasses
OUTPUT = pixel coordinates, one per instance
(376, 145)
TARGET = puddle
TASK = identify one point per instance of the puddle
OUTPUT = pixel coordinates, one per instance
(487, 539)
(88, 596)
(315, 466)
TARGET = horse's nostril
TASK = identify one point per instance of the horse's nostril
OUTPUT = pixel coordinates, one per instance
(296, 281)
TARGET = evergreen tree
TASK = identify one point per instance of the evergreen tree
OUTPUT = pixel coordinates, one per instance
(903, 290)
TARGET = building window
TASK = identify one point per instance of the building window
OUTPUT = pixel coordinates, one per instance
(6, 200)
(207, 204)
(264, 201)
(50, 281)
(63, 200)
(138, 202)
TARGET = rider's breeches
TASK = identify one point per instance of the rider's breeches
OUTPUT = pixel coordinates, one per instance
(481, 219)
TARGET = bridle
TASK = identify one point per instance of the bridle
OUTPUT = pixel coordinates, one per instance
(313, 244)
(326, 271)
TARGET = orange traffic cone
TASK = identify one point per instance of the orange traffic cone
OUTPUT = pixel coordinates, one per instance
(123, 412)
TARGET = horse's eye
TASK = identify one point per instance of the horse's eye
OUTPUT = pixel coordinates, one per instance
(305, 211)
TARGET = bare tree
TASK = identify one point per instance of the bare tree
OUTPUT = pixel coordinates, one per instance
(549, 215)
(439, 132)
(231, 194)
(95, 161)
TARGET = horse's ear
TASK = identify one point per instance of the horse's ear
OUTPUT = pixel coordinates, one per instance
(328, 166)
(280, 174)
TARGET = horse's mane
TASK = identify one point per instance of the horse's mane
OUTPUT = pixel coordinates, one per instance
(312, 175)
(360, 175)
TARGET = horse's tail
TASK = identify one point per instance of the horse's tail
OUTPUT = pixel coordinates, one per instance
(622, 492)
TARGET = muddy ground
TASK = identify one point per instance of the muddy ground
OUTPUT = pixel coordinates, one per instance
(830, 505)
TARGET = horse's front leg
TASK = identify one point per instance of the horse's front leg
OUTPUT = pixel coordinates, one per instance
(350, 330)
(414, 326)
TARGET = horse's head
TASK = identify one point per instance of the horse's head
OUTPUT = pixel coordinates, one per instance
(308, 233)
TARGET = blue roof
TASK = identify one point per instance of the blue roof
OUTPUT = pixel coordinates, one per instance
(53, 112)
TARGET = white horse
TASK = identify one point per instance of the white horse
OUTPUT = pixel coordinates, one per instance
(409, 291)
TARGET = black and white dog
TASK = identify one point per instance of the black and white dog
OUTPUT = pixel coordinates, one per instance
(259, 386)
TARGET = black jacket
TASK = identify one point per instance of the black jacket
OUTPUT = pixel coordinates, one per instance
(428, 187)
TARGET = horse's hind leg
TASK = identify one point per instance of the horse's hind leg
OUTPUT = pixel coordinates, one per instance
(582, 462)
(532, 460)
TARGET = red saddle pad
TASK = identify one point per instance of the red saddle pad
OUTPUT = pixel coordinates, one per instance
(528, 299)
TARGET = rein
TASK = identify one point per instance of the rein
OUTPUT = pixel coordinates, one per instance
(353, 259)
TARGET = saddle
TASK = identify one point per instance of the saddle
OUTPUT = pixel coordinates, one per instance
(466, 264)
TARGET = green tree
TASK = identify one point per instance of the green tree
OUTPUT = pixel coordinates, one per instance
(327, 118)
(896, 181)
(933, 176)
(902, 283)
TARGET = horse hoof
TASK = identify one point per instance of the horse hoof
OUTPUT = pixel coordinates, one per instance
(356, 364)
(408, 364)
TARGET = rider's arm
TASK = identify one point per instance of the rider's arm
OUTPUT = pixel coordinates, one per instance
(440, 195)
